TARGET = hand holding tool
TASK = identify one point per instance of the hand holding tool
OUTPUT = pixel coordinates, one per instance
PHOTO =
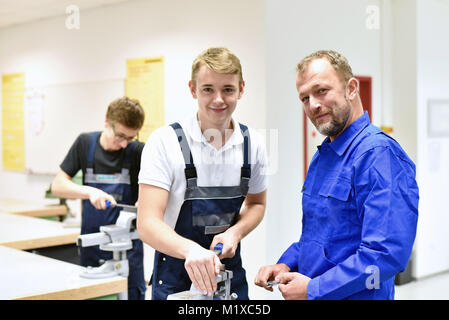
(223, 291)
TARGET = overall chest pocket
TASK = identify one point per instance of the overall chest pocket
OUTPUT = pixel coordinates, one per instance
(213, 216)
(333, 219)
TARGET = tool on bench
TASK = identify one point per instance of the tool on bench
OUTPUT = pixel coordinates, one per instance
(116, 238)
(223, 291)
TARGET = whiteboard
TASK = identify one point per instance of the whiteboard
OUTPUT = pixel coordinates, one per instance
(55, 116)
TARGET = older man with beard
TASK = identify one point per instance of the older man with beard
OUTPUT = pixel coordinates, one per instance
(359, 199)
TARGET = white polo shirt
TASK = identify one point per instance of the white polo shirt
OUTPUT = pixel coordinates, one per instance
(163, 165)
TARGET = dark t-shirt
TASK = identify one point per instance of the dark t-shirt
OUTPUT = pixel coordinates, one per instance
(105, 162)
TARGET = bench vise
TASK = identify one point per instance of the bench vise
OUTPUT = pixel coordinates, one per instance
(116, 238)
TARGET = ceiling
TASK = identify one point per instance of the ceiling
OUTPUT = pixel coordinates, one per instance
(14, 12)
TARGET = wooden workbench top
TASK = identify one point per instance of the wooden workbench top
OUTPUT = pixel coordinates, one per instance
(26, 275)
(44, 208)
(21, 232)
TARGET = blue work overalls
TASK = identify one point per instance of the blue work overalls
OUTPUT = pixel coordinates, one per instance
(206, 211)
(119, 186)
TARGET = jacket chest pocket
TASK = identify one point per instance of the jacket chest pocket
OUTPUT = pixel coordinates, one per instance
(336, 209)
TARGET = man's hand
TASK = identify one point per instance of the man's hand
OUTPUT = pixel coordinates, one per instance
(202, 266)
(98, 198)
(230, 243)
(293, 285)
(268, 273)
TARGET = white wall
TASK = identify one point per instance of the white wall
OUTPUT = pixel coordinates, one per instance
(179, 30)
(432, 246)
(419, 73)
(404, 75)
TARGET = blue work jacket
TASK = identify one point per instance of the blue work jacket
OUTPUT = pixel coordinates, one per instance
(360, 211)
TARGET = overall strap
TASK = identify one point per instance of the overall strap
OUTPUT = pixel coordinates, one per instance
(246, 168)
(91, 152)
(190, 170)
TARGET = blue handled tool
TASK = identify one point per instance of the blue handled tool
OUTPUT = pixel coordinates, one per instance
(124, 206)
(218, 248)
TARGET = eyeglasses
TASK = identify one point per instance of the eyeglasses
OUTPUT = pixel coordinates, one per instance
(120, 138)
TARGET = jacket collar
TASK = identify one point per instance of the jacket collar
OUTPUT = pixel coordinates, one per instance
(344, 140)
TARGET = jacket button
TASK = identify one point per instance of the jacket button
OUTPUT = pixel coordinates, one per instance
(160, 282)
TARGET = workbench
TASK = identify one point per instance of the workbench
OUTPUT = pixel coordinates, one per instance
(32, 208)
(25, 233)
(26, 275)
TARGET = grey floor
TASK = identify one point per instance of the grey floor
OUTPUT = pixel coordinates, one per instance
(431, 288)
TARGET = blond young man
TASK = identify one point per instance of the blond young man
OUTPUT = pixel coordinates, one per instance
(195, 176)
(110, 163)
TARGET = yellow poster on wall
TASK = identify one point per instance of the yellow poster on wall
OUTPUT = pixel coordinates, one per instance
(13, 121)
(145, 82)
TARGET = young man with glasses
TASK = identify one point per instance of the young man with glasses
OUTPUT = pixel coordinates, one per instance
(110, 163)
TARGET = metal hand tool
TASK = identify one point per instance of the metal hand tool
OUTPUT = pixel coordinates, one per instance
(271, 284)
(124, 206)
